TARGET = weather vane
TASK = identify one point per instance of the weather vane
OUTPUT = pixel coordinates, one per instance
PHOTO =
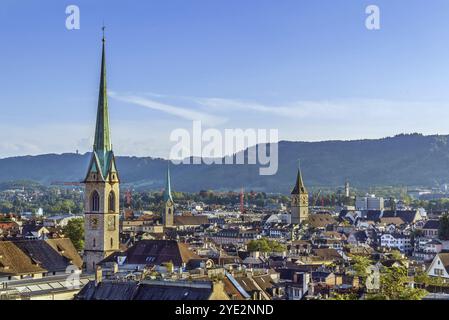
(103, 28)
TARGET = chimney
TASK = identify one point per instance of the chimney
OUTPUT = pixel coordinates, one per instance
(114, 267)
(98, 275)
(311, 289)
(296, 277)
(255, 254)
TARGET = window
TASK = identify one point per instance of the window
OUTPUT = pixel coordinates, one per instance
(112, 242)
(438, 272)
(111, 201)
(95, 201)
(94, 243)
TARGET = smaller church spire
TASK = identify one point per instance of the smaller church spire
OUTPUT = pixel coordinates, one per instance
(299, 185)
(167, 191)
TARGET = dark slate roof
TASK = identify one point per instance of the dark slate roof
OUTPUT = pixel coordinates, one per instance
(156, 252)
(320, 276)
(360, 236)
(108, 291)
(288, 272)
(29, 228)
(373, 215)
(132, 290)
(432, 224)
(161, 292)
(406, 215)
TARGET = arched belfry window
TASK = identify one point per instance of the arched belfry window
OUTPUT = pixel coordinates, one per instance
(95, 201)
(111, 201)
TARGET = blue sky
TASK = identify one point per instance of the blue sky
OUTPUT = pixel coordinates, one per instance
(309, 68)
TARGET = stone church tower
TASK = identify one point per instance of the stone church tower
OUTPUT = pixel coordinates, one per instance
(101, 204)
(299, 201)
(168, 214)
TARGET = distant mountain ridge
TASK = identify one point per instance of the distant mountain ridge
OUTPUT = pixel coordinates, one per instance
(410, 160)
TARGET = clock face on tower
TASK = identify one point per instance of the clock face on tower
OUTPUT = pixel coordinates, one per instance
(295, 201)
(93, 222)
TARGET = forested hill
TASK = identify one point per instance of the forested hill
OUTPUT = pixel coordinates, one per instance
(401, 160)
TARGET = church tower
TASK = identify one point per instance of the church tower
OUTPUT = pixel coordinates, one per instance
(101, 203)
(299, 201)
(168, 216)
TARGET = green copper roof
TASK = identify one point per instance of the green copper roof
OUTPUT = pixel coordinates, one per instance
(102, 150)
(167, 191)
(299, 185)
(102, 142)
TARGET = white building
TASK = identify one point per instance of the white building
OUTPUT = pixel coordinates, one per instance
(396, 241)
(369, 203)
(440, 266)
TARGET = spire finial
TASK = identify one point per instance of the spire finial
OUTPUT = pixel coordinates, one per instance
(103, 28)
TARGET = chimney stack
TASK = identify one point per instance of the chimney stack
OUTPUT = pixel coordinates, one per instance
(98, 275)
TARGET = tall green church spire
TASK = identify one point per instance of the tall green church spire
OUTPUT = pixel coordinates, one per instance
(103, 160)
(167, 191)
(102, 143)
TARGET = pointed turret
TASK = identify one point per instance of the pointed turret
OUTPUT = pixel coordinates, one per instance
(299, 185)
(167, 191)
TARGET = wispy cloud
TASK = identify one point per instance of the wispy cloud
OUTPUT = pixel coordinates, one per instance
(204, 117)
(334, 109)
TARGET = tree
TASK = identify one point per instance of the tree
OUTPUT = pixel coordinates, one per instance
(443, 232)
(345, 296)
(360, 265)
(265, 245)
(396, 255)
(74, 230)
(394, 285)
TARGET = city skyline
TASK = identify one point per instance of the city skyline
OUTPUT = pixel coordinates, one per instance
(311, 70)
